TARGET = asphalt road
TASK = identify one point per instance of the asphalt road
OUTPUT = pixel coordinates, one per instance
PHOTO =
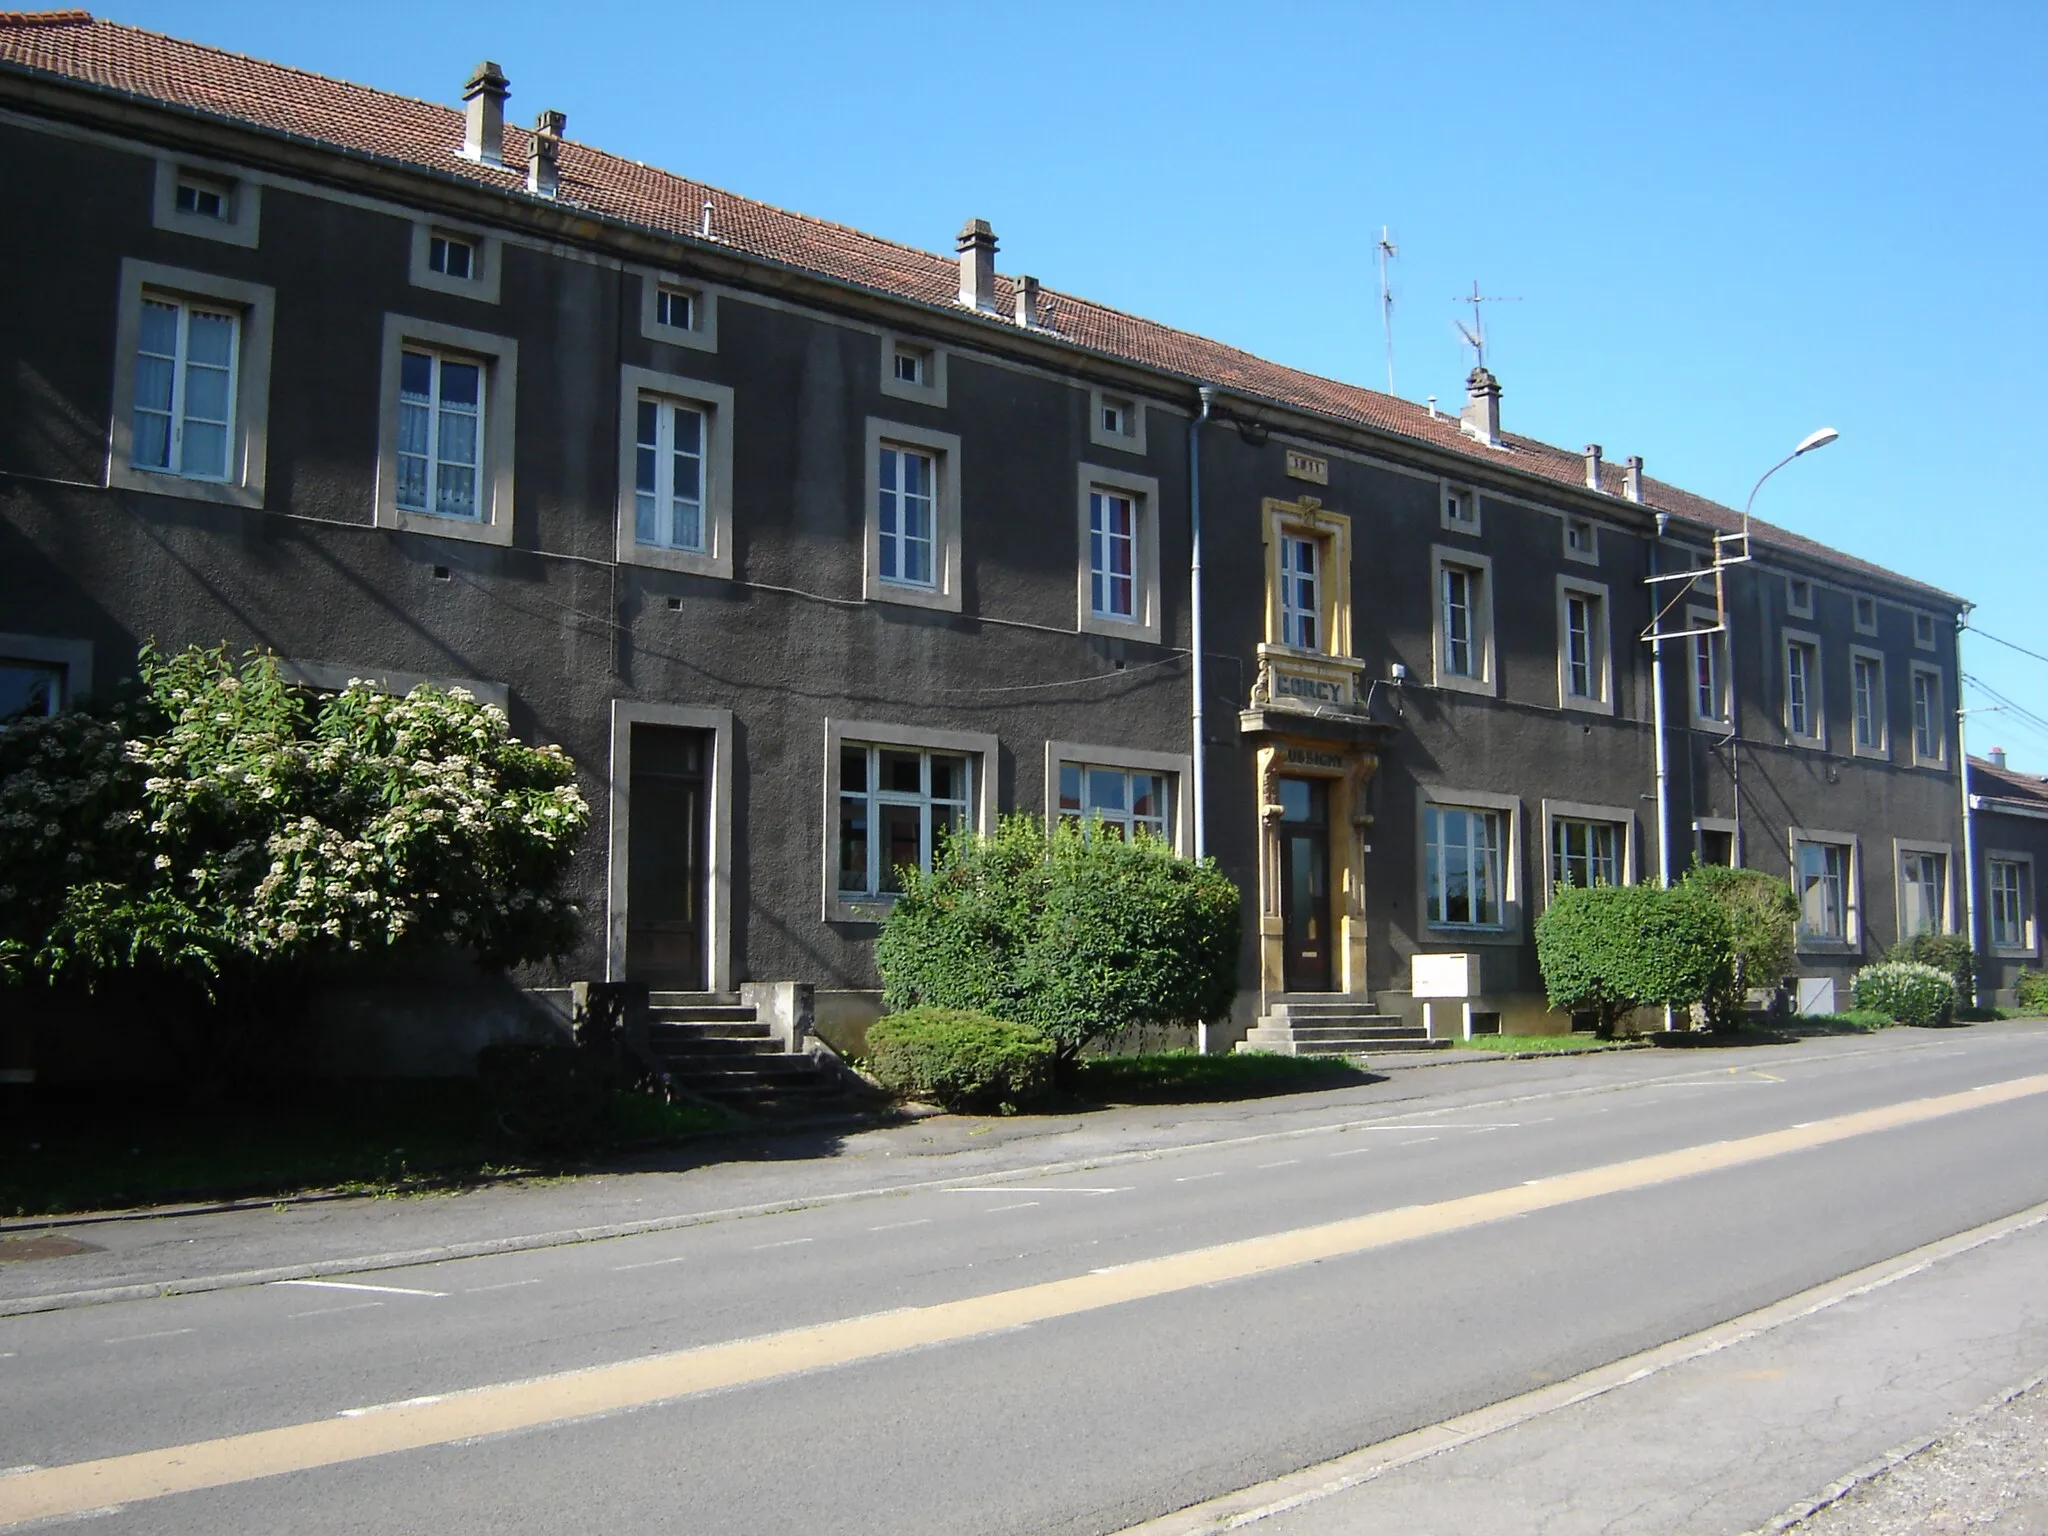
(1046, 1401)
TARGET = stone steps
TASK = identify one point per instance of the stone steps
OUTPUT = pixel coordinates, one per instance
(1325, 1024)
(717, 1048)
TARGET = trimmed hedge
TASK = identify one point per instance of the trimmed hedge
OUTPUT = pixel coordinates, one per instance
(960, 1060)
(1610, 949)
(1947, 952)
(2031, 989)
(1908, 991)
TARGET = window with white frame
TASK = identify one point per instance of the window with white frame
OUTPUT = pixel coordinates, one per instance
(675, 308)
(440, 434)
(896, 805)
(1581, 540)
(1461, 509)
(1866, 677)
(1821, 876)
(29, 688)
(2011, 894)
(1585, 852)
(1116, 416)
(1582, 659)
(184, 405)
(1709, 670)
(669, 453)
(452, 256)
(1923, 893)
(1112, 554)
(1462, 852)
(1802, 689)
(907, 516)
(1928, 733)
(1461, 652)
(204, 197)
(913, 365)
(1301, 601)
(1126, 801)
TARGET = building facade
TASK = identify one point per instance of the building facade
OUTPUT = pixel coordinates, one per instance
(808, 547)
(2009, 828)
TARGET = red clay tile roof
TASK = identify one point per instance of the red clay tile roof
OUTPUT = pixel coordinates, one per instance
(2005, 784)
(74, 46)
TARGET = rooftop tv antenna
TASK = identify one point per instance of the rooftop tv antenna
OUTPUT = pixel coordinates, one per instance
(1387, 252)
(1475, 333)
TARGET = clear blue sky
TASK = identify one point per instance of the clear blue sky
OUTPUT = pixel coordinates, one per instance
(1726, 224)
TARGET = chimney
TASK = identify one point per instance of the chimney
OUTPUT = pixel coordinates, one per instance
(1027, 303)
(1481, 416)
(1997, 757)
(483, 131)
(543, 155)
(1632, 478)
(1593, 451)
(978, 265)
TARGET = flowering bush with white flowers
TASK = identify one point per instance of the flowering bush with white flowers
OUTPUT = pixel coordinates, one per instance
(228, 825)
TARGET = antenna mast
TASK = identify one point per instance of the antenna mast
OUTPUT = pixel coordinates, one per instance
(1387, 251)
(1475, 333)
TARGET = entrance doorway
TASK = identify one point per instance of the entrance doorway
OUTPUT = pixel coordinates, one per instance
(1305, 884)
(665, 867)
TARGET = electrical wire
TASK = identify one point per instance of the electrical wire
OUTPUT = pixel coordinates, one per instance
(1986, 634)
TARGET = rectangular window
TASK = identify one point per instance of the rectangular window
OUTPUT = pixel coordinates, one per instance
(2011, 903)
(896, 805)
(913, 365)
(1581, 642)
(1709, 674)
(1112, 555)
(1462, 849)
(1866, 615)
(1927, 723)
(440, 434)
(1125, 801)
(669, 475)
(1301, 612)
(907, 516)
(1460, 598)
(1799, 597)
(1923, 631)
(675, 308)
(1867, 675)
(1461, 509)
(451, 257)
(1585, 852)
(204, 198)
(29, 688)
(1580, 539)
(1802, 698)
(1923, 894)
(1116, 416)
(1821, 873)
(184, 406)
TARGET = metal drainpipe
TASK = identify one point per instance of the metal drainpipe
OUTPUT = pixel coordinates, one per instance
(1197, 678)
(1657, 712)
(1969, 821)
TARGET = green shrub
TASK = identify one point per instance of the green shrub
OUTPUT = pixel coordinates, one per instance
(1075, 934)
(2031, 990)
(1608, 950)
(1905, 990)
(1863, 1020)
(550, 1099)
(960, 1060)
(1763, 928)
(1949, 952)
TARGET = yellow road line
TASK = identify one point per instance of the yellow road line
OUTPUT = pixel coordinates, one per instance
(120, 1480)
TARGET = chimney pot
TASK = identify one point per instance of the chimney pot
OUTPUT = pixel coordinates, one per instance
(1593, 452)
(483, 128)
(977, 245)
(1632, 477)
(1027, 303)
(543, 154)
(1997, 756)
(1481, 416)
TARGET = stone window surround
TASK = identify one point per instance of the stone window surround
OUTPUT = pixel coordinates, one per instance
(1914, 672)
(1590, 555)
(244, 224)
(1132, 441)
(1901, 846)
(703, 335)
(249, 449)
(1852, 898)
(1793, 607)
(1488, 680)
(980, 747)
(1332, 532)
(718, 841)
(74, 656)
(481, 285)
(1572, 810)
(1446, 488)
(932, 392)
(1925, 620)
(500, 357)
(945, 594)
(1144, 491)
(1883, 750)
(1857, 603)
(716, 401)
(1816, 703)
(1177, 766)
(1602, 701)
(2029, 894)
(1727, 824)
(1511, 910)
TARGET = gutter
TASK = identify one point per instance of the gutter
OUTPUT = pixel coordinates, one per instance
(1197, 675)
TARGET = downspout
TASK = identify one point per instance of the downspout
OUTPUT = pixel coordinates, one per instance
(1969, 821)
(1198, 779)
(1657, 712)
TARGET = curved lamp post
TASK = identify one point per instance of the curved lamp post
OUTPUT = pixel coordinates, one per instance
(1807, 444)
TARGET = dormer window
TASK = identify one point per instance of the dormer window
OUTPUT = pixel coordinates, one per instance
(451, 256)
(675, 308)
(205, 197)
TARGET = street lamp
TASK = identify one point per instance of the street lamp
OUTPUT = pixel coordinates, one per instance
(1812, 440)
